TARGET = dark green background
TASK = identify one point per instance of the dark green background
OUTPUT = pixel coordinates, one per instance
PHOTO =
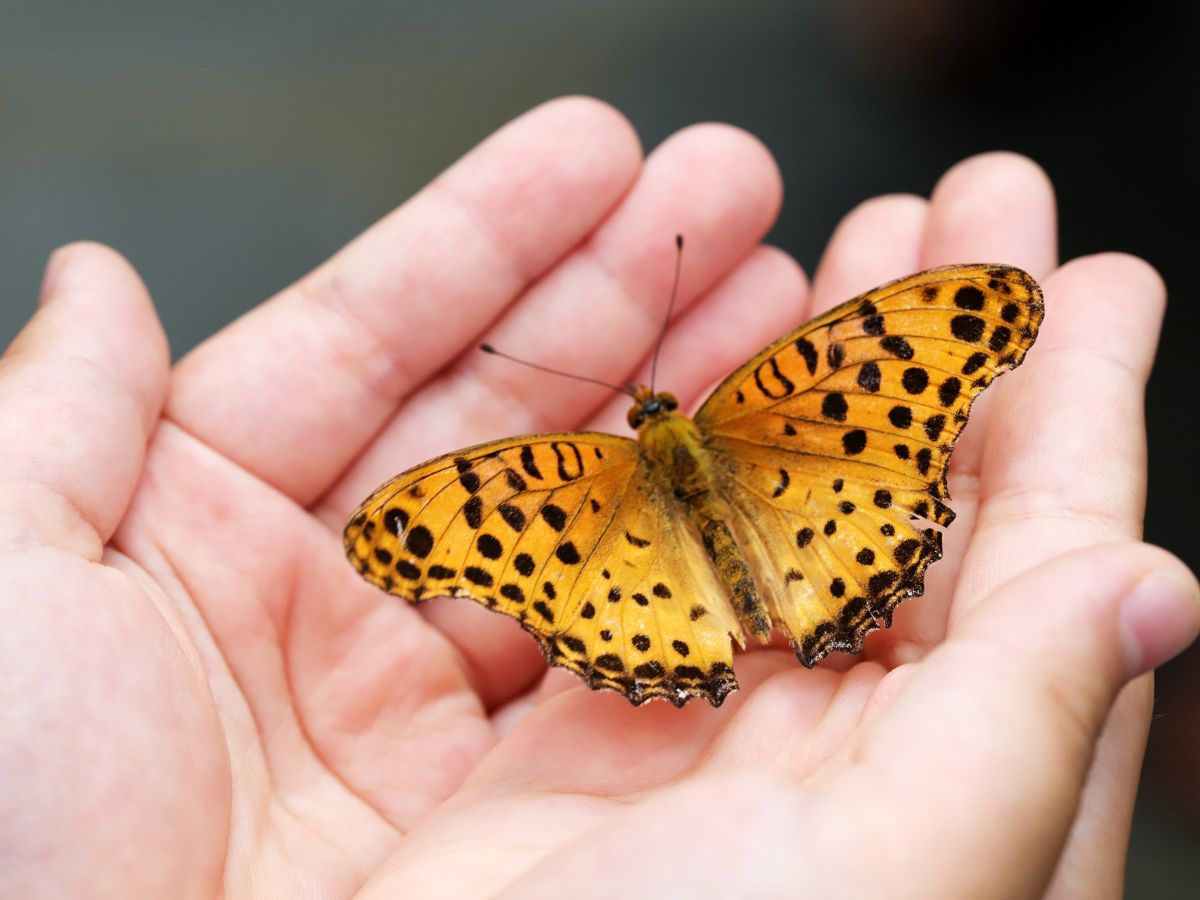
(226, 150)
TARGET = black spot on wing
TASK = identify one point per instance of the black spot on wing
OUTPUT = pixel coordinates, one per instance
(900, 416)
(476, 575)
(948, 392)
(915, 380)
(610, 662)
(835, 355)
(554, 516)
(808, 353)
(897, 346)
(473, 512)
(395, 520)
(967, 328)
(574, 644)
(652, 669)
(834, 406)
(419, 541)
(512, 516)
(974, 363)
(636, 541)
(969, 297)
(869, 377)
(489, 547)
(1001, 335)
(529, 464)
(784, 480)
(570, 463)
(780, 385)
(934, 426)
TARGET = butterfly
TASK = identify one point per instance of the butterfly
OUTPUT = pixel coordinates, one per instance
(801, 496)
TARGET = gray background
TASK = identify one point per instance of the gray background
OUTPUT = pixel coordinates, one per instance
(226, 149)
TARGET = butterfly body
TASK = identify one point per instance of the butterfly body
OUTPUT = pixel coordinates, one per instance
(677, 456)
(802, 496)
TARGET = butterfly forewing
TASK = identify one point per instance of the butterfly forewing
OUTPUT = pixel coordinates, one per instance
(837, 438)
(566, 534)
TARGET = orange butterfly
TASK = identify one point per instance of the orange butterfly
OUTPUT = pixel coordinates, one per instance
(796, 498)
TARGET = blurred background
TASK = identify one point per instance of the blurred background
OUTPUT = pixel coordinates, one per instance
(226, 148)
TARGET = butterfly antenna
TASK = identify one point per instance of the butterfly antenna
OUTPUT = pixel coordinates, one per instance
(670, 308)
(488, 348)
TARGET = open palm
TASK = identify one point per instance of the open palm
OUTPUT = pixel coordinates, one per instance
(201, 697)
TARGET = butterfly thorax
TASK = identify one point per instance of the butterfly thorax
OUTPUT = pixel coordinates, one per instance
(673, 446)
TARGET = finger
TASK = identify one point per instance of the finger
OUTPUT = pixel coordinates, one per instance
(877, 241)
(1081, 415)
(1008, 711)
(294, 389)
(977, 761)
(995, 207)
(81, 388)
(1068, 469)
(1093, 862)
(599, 312)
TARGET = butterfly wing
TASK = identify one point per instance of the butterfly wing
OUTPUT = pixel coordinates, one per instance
(568, 534)
(837, 438)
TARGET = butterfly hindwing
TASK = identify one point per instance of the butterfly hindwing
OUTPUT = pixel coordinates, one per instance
(838, 435)
(567, 534)
(833, 556)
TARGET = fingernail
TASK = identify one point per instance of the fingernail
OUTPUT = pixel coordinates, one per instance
(54, 267)
(1158, 620)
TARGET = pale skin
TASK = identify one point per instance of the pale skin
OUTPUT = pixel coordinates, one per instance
(199, 697)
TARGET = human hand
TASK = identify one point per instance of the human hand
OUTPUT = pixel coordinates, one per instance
(201, 697)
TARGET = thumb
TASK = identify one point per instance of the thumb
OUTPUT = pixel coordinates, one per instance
(981, 756)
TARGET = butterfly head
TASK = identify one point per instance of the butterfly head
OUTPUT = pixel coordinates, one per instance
(649, 406)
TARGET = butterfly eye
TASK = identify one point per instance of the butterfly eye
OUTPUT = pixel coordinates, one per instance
(668, 401)
(636, 417)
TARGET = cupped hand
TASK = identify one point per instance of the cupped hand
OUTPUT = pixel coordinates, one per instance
(200, 697)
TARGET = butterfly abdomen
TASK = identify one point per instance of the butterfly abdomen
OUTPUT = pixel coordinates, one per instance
(731, 565)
